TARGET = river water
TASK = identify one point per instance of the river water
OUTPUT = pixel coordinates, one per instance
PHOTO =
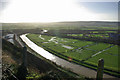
(9, 37)
(81, 70)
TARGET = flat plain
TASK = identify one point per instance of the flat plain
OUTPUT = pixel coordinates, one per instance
(87, 51)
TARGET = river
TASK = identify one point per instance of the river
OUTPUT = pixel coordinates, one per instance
(81, 70)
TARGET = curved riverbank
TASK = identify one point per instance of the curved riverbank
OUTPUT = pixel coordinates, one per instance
(73, 67)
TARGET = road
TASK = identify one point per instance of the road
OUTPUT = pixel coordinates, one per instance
(63, 63)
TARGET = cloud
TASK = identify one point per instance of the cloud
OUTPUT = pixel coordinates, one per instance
(48, 11)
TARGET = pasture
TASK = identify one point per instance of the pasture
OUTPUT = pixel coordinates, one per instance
(80, 50)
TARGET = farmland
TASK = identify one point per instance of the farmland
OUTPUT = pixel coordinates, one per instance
(83, 43)
(95, 34)
(79, 50)
(81, 25)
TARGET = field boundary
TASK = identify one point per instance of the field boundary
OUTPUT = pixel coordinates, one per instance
(91, 66)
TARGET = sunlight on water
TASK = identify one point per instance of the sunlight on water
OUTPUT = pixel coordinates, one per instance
(68, 47)
(63, 63)
(36, 48)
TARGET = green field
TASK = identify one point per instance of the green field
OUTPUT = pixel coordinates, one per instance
(90, 35)
(81, 25)
(79, 50)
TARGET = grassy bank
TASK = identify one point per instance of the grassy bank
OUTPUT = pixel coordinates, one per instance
(81, 51)
(37, 67)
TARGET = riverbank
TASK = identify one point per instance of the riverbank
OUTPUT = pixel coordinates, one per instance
(82, 52)
(73, 67)
(12, 56)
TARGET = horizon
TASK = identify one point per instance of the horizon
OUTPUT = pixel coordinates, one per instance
(61, 21)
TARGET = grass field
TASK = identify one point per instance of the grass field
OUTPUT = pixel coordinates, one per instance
(81, 25)
(90, 35)
(87, 51)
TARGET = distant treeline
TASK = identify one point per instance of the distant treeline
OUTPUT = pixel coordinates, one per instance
(61, 25)
(63, 33)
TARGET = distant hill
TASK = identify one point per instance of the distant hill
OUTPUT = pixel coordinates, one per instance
(66, 24)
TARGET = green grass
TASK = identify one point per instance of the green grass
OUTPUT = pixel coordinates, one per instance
(99, 46)
(58, 47)
(113, 50)
(81, 43)
(110, 61)
(90, 35)
(110, 56)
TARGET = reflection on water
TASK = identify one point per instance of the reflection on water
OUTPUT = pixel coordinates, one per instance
(41, 37)
(37, 49)
(9, 37)
(11, 40)
(63, 63)
(46, 54)
(68, 47)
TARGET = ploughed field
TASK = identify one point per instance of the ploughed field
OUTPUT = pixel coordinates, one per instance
(79, 51)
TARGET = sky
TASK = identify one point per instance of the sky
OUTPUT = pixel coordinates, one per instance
(57, 10)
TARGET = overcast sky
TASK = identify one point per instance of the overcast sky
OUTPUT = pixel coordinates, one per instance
(57, 10)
